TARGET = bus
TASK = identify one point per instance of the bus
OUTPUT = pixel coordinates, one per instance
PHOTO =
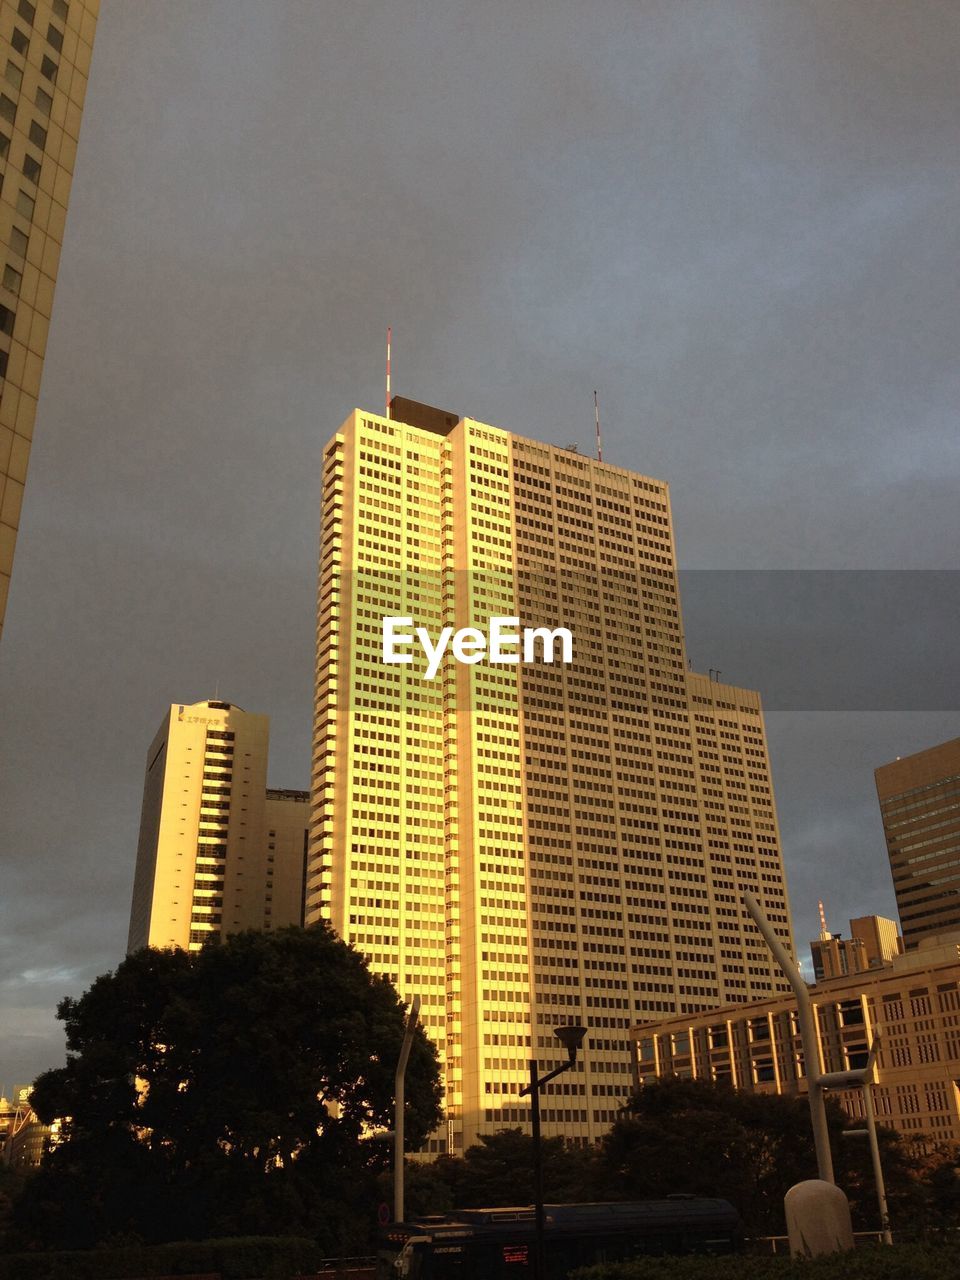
(498, 1244)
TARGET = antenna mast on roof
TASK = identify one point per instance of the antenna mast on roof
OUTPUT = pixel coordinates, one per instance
(596, 412)
(824, 936)
(386, 412)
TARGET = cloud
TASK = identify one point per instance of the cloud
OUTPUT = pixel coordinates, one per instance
(737, 221)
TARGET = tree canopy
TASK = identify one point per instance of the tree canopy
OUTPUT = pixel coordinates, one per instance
(699, 1137)
(224, 1090)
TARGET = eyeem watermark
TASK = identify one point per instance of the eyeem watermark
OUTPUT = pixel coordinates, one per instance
(506, 643)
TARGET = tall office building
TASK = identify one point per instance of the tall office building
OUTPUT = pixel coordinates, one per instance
(920, 805)
(46, 50)
(218, 852)
(532, 844)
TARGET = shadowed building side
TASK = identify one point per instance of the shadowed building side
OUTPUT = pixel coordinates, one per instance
(920, 805)
(46, 48)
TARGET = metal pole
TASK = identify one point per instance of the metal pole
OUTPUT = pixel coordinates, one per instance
(875, 1154)
(570, 1037)
(539, 1267)
(399, 1103)
(863, 1076)
(808, 1038)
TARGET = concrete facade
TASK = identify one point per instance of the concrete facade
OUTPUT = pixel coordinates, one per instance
(920, 805)
(534, 844)
(44, 60)
(217, 852)
(913, 1002)
(873, 942)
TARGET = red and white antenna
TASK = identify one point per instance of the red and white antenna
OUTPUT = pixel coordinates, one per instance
(824, 936)
(596, 412)
(389, 336)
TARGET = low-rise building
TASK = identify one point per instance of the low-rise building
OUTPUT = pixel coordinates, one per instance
(912, 1002)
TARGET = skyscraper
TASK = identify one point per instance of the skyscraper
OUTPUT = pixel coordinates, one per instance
(920, 806)
(47, 45)
(527, 844)
(217, 852)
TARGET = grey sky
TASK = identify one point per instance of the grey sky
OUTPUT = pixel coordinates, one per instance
(739, 220)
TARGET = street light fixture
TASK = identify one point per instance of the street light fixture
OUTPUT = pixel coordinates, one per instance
(571, 1038)
(399, 1105)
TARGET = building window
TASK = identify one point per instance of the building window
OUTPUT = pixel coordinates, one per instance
(4, 145)
(44, 101)
(26, 205)
(19, 41)
(61, 9)
(18, 242)
(7, 318)
(31, 169)
(38, 135)
(49, 69)
(8, 108)
(26, 11)
(54, 37)
(4, 358)
(14, 75)
(11, 279)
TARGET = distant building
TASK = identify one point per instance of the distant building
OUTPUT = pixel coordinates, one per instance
(218, 851)
(46, 46)
(880, 937)
(835, 957)
(23, 1138)
(286, 817)
(913, 1002)
(874, 941)
(920, 804)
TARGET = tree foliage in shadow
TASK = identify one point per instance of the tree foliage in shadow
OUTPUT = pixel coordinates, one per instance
(225, 1092)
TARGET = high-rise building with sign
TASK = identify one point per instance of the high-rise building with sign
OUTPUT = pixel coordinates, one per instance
(45, 48)
(527, 844)
(920, 805)
(218, 851)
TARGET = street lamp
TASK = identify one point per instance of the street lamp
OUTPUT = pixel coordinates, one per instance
(399, 1104)
(571, 1038)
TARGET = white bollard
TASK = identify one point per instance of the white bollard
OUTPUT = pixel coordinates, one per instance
(818, 1219)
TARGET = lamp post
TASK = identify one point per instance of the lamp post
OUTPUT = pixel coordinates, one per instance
(399, 1103)
(571, 1038)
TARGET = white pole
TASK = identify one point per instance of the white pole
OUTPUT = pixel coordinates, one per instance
(808, 1037)
(868, 1111)
(399, 1090)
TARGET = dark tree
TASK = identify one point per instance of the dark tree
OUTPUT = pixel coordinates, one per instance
(225, 1092)
(496, 1171)
(700, 1138)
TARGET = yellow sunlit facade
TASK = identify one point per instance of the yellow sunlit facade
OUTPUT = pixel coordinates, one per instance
(534, 844)
(911, 1001)
(217, 851)
(45, 56)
